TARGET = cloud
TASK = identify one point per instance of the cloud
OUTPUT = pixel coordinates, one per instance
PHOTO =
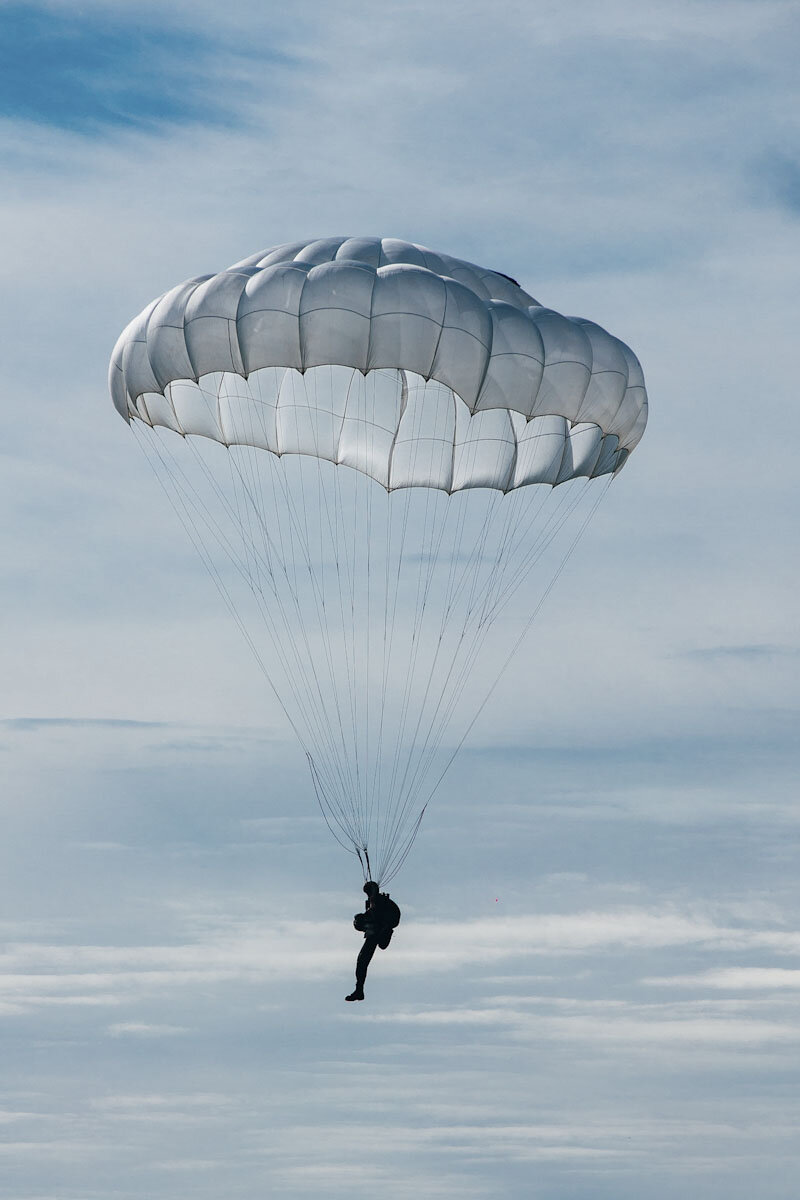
(745, 652)
(104, 68)
(34, 724)
(235, 953)
(143, 1105)
(734, 979)
(627, 1031)
(142, 1029)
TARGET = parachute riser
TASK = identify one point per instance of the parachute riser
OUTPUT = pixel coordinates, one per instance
(367, 869)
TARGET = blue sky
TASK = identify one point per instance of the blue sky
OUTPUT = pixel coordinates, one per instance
(64, 68)
(592, 995)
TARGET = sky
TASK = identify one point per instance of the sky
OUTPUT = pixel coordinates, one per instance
(592, 994)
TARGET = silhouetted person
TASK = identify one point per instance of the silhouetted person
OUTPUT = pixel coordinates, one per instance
(377, 922)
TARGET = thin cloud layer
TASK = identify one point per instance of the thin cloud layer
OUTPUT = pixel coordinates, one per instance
(273, 953)
(103, 69)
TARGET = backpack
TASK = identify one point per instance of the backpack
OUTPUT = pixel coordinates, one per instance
(391, 910)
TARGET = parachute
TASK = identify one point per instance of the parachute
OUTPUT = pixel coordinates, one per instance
(383, 445)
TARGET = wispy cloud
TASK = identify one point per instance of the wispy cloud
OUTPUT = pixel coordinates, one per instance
(233, 954)
(143, 1029)
(104, 68)
(632, 1028)
(745, 652)
(34, 724)
(734, 979)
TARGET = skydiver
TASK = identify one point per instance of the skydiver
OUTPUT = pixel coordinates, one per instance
(377, 922)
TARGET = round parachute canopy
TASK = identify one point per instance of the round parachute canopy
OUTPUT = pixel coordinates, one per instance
(473, 420)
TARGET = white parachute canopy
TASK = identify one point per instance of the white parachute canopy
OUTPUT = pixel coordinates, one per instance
(476, 425)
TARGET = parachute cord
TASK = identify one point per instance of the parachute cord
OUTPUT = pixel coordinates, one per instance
(416, 754)
(418, 761)
(339, 764)
(349, 758)
(194, 537)
(319, 792)
(304, 554)
(480, 634)
(416, 638)
(254, 502)
(478, 624)
(434, 739)
(333, 544)
(189, 523)
(313, 713)
(303, 544)
(367, 870)
(482, 609)
(392, 623)
(393, 867)
(521, 638)
(415, 682)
